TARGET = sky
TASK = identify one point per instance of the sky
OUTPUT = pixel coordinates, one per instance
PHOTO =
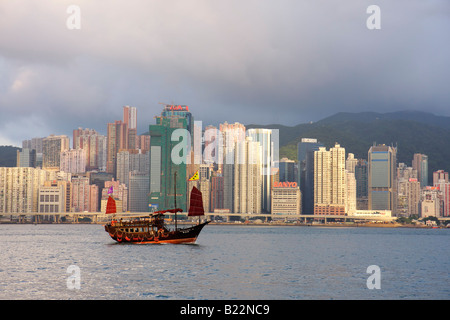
(252, 61)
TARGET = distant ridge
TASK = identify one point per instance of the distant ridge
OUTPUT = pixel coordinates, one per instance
(412, 131)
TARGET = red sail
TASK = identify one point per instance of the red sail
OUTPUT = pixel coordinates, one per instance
(111, 205)
(196, 203)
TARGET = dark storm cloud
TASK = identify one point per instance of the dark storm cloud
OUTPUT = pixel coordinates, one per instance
(260, 61)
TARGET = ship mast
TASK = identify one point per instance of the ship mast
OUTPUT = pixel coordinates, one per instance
(175, 197)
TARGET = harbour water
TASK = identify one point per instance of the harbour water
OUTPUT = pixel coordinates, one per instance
(227, 262)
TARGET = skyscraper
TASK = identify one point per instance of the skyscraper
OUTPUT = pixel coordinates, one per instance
(129, 161)
(362, 184)
(264, 137)
(247, 177)
(130, 117)
(52, 146)
(287, 170)
(117, 139)
(441, 181)
(164, 168)
(305, 158)
(216, 200)
(440, 175)
(73, 161)
(19, 188)
(179, 111)
(139, 184)
(94, 145)
(420, 163)
(84, 195)
(330, 181)
(231, 135)
(382, 178)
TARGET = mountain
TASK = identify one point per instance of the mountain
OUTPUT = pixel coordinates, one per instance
(411, 131)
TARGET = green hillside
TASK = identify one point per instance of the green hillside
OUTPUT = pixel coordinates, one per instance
(415, 132)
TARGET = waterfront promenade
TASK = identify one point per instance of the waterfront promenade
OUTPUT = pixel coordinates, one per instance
(98, 217)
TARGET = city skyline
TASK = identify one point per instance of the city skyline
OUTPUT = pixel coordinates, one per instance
(287, 63)
(336, 183)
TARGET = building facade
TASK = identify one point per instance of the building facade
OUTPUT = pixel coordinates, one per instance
(330, 181)
(286, 198)
(166, 172)
(247, 177)
(382, 193)
(420, 164)
(305, 158)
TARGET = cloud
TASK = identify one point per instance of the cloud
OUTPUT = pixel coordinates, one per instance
(262, 61)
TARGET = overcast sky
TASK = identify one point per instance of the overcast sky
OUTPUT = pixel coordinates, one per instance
(252, 61)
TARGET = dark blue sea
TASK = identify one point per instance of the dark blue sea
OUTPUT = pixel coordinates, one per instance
(227, 262)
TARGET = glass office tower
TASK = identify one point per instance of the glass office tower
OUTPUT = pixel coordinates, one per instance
(382, 178)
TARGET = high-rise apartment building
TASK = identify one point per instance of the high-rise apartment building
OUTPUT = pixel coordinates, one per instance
(247, 177)
(408, 191)
(73, 161)
(305, 158)
(264, 137)
(440, 175)
(19, 188)
(350, 197)
(330, 181)
(94, 145)
(84, 195)
(130, 117)
(231, 135)
(117, 139)
(129, 161)
(382, 178)
(413, 193)
(431, 203)
(420, 163)
(441, 181)
(52, 146)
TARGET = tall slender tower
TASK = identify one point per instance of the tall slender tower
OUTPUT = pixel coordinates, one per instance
(264, 137)
(117, 139)
(163, 166)
(420, 163)
(52, 147)
(247, 177)
(305, 158)
(231, 135)
(330, 181)
(382, 191)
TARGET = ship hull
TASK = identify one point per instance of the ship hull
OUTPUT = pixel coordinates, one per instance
(179, 236)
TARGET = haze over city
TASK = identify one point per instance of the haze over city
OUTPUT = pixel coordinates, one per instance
(264, 62)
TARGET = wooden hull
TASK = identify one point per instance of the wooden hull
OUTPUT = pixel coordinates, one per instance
(140, 234)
